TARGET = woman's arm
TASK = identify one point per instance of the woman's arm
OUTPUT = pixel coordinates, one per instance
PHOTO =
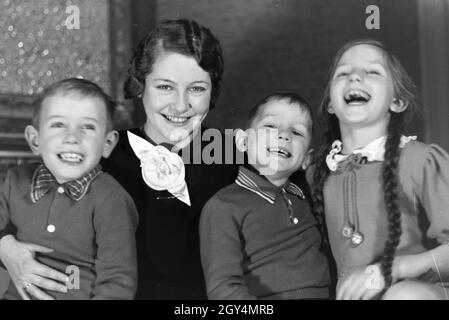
(28, 275)
(25, 271)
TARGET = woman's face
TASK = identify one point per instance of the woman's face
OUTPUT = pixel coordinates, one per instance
(176, 99)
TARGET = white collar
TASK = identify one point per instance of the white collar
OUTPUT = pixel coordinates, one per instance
(373, 151)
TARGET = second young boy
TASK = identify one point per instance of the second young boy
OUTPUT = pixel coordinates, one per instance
(259, 239)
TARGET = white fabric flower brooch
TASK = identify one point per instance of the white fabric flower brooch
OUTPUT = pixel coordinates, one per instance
(161, 168)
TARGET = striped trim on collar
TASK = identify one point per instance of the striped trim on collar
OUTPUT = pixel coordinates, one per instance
(245, 181)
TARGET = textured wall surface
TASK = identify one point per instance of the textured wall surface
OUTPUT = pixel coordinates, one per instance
(37, 48)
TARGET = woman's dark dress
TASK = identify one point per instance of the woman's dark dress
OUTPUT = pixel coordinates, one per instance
(167, 236)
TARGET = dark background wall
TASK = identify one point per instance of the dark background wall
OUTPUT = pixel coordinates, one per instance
(274, 45)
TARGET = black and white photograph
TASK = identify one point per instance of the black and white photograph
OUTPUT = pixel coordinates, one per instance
(224, 150)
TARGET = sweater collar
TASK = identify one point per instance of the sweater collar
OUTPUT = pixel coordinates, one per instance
(249, 179)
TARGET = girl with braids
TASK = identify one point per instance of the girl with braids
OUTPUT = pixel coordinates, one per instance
(176, 74)
(384, 196)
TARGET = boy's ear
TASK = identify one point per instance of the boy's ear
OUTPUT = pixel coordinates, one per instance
(110, 143)
(32, 137)
(329, 108)
(398, 105)
(307, 160)
(241, 140)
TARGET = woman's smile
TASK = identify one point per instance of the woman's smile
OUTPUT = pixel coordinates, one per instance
(177, 96)
(176, 120)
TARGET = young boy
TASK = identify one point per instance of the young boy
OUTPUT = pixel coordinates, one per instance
(67, 203)
(259, 239)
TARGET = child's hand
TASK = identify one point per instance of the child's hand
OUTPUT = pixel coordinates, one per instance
(360, 284)
(411, 266)
(26, 273)
(435, 261)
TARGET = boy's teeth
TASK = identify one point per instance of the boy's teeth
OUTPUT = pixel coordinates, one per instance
(281, 151)
(72, 157)
(176, 119)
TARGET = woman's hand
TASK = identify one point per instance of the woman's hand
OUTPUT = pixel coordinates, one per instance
(361, 283)
(27, 274)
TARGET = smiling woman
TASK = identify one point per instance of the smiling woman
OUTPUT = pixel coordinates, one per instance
(176, 99)
(176, 73)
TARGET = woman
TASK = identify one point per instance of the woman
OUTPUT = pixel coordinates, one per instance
(176, 73)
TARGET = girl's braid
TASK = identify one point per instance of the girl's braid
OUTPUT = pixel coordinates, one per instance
(321, 172)
(390, 188)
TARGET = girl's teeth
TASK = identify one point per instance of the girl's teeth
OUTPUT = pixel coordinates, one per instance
(356, 93)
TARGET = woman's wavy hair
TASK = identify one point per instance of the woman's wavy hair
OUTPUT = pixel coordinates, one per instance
(403, 90)
(182, 36)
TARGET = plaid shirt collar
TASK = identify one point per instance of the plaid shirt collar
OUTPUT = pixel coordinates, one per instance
(259, 185)
(43, 181)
